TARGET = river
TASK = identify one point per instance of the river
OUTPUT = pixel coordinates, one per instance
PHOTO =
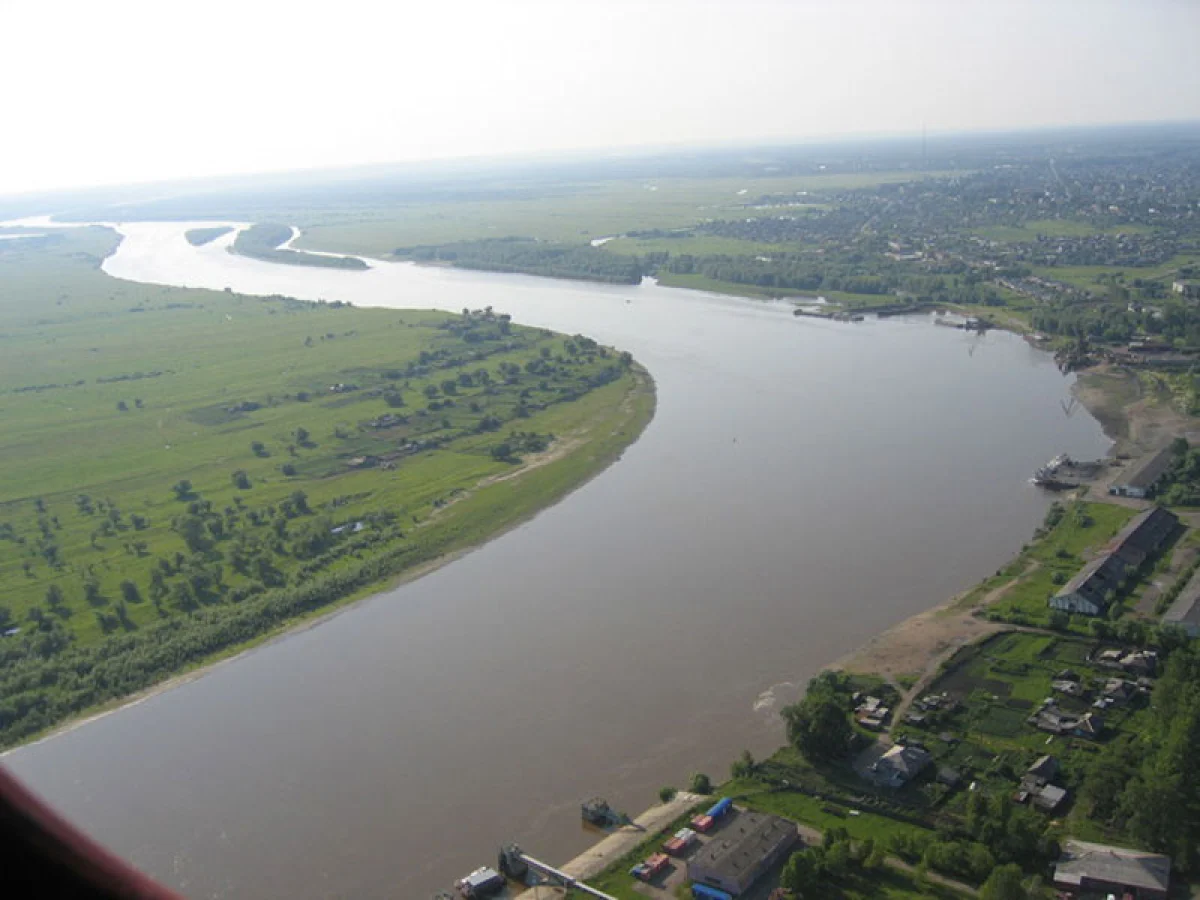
(804, 485)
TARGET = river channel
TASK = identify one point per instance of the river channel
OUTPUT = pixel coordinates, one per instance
(804, 485)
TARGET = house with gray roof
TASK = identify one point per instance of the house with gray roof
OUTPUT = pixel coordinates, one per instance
(1090, 591)
(899, 766)
(1087, 868)
(1141, 480)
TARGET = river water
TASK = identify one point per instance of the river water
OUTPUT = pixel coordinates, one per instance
(804, 485)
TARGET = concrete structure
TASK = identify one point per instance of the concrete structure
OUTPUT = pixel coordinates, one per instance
(1099, 869)
(1091, 588)
(1141, 480)
(899, 766)
(746, 846)
(1185, 611)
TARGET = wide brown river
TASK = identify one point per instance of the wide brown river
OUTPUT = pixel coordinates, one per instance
(804, 485)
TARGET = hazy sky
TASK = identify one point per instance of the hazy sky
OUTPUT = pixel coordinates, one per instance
(109, 91)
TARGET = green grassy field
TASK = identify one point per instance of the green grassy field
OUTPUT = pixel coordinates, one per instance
(697, 245)
(1084, 527)
(704, 283)
(1030, 231)
(1094, 278)
(112, 393)
(571, 213)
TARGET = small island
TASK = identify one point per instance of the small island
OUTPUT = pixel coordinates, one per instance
(262, 241)
(198, 237)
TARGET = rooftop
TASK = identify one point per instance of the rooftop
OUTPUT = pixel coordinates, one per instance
(1095, 579)
(1149, 470)
(899, 765)
(1113, 865)
(743, 844)
(1186, 608)
(1147, 529)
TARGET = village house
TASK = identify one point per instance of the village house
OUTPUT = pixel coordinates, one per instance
(1116, 693)
(899, 766)
(1140, 662)
(1091, 869)
(1036, 786)
(1070, 688)
(871, 713)
(1052, 719)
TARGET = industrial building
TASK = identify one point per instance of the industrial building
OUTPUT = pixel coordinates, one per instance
(1144, 477)
(1086, 868)
(1090, 590)
(1185, 611)
(746, 847)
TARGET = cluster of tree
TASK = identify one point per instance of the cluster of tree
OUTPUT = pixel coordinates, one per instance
(44, 678)
(1131, 250)
(1118, 317)
(819, 725)
(532, 257)
(850, 274)
(809, 873)
(518, 442)
(1182, 484)
(1143, 785)
(994, 833)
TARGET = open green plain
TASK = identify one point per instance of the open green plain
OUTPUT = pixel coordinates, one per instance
(174, 460)
(1052, 228)
(568, 213)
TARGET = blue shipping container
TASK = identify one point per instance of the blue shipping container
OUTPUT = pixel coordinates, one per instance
(704, 892)
(720, 808)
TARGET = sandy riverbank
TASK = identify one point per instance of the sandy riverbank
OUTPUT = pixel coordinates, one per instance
(1136, 420)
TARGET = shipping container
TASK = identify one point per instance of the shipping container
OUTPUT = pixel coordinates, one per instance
(680, 841)
(720, 808)
(704, 892)
(645, 871)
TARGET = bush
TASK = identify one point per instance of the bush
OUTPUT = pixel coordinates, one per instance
(701, 784)
(666, 794)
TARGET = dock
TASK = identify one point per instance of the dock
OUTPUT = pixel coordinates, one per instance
(598, 858)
